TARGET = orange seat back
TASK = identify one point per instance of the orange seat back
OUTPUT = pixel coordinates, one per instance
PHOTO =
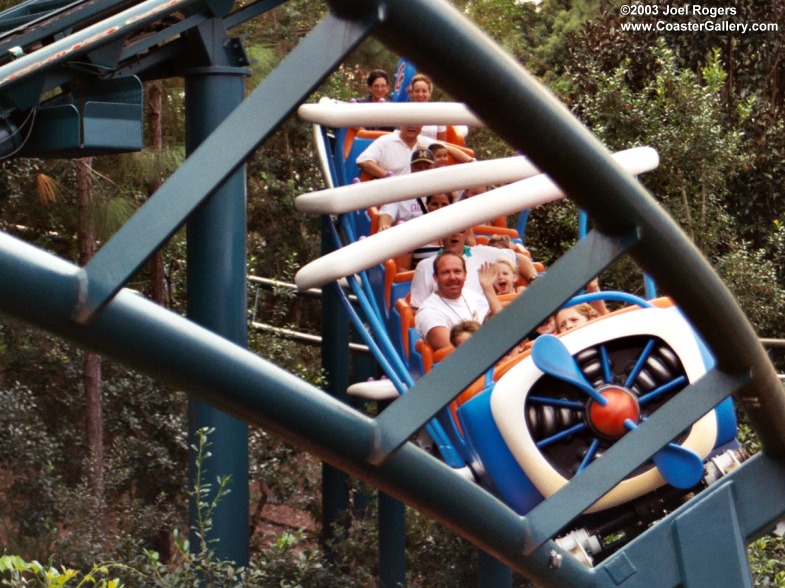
(373, 213)
(407, 321)
(366, 134)
(495, 230)
(454, 137)
(393, 276)
(426, 351)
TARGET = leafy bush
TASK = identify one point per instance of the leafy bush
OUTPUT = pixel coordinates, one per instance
(752, 277)
(287, 562)
(16, 572)
(682, 116)
(45, 502)
(767, 559)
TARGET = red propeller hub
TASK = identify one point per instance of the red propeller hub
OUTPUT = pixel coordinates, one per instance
(609, 420)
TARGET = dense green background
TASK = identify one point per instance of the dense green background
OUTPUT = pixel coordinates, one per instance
(710, 103)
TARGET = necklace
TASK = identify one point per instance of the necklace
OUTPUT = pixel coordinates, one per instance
(468, 308)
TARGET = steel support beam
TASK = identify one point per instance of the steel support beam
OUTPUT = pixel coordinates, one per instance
(440, 386)
(217, 300)
(731, 509)
(335, 363)
(42, 289)
(531, 119)
(223, 152)
(88, 39)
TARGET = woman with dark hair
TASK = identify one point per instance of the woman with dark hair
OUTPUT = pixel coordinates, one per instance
(378, 85)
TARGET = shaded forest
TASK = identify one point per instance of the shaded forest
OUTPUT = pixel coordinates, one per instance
(93, 456)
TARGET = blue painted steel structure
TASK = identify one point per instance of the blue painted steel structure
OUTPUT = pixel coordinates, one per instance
(700, 544)
(216, 260)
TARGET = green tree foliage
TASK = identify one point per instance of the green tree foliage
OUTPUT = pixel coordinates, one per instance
(711, 104)
(536, 34)
(752, 277)
(752, 86)
(42, 440)
(704, 152)
(682, 118)
(286, 562)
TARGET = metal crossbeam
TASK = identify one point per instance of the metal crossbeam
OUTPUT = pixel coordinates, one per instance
(48, 292)
(216, 158)
(41, 289)
(527, 116)
(88, 39)
(731, 509)
(678, 414)
(439, 387)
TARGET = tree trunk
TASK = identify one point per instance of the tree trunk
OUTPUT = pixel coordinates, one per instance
(158, 290)
(92, 362)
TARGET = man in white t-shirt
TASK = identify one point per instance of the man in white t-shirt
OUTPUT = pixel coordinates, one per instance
(451, 304)
(423, 284)
(391, 153)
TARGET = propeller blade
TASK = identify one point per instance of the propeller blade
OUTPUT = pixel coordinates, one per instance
(552, 357)
(681, 467)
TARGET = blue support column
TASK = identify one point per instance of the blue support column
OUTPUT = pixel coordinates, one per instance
(491, 573)
(335, 362)
(217, 300)
(363, 367)
(392, 542)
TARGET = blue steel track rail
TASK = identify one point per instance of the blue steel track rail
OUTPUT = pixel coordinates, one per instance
(50, 293)
(149, 45)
